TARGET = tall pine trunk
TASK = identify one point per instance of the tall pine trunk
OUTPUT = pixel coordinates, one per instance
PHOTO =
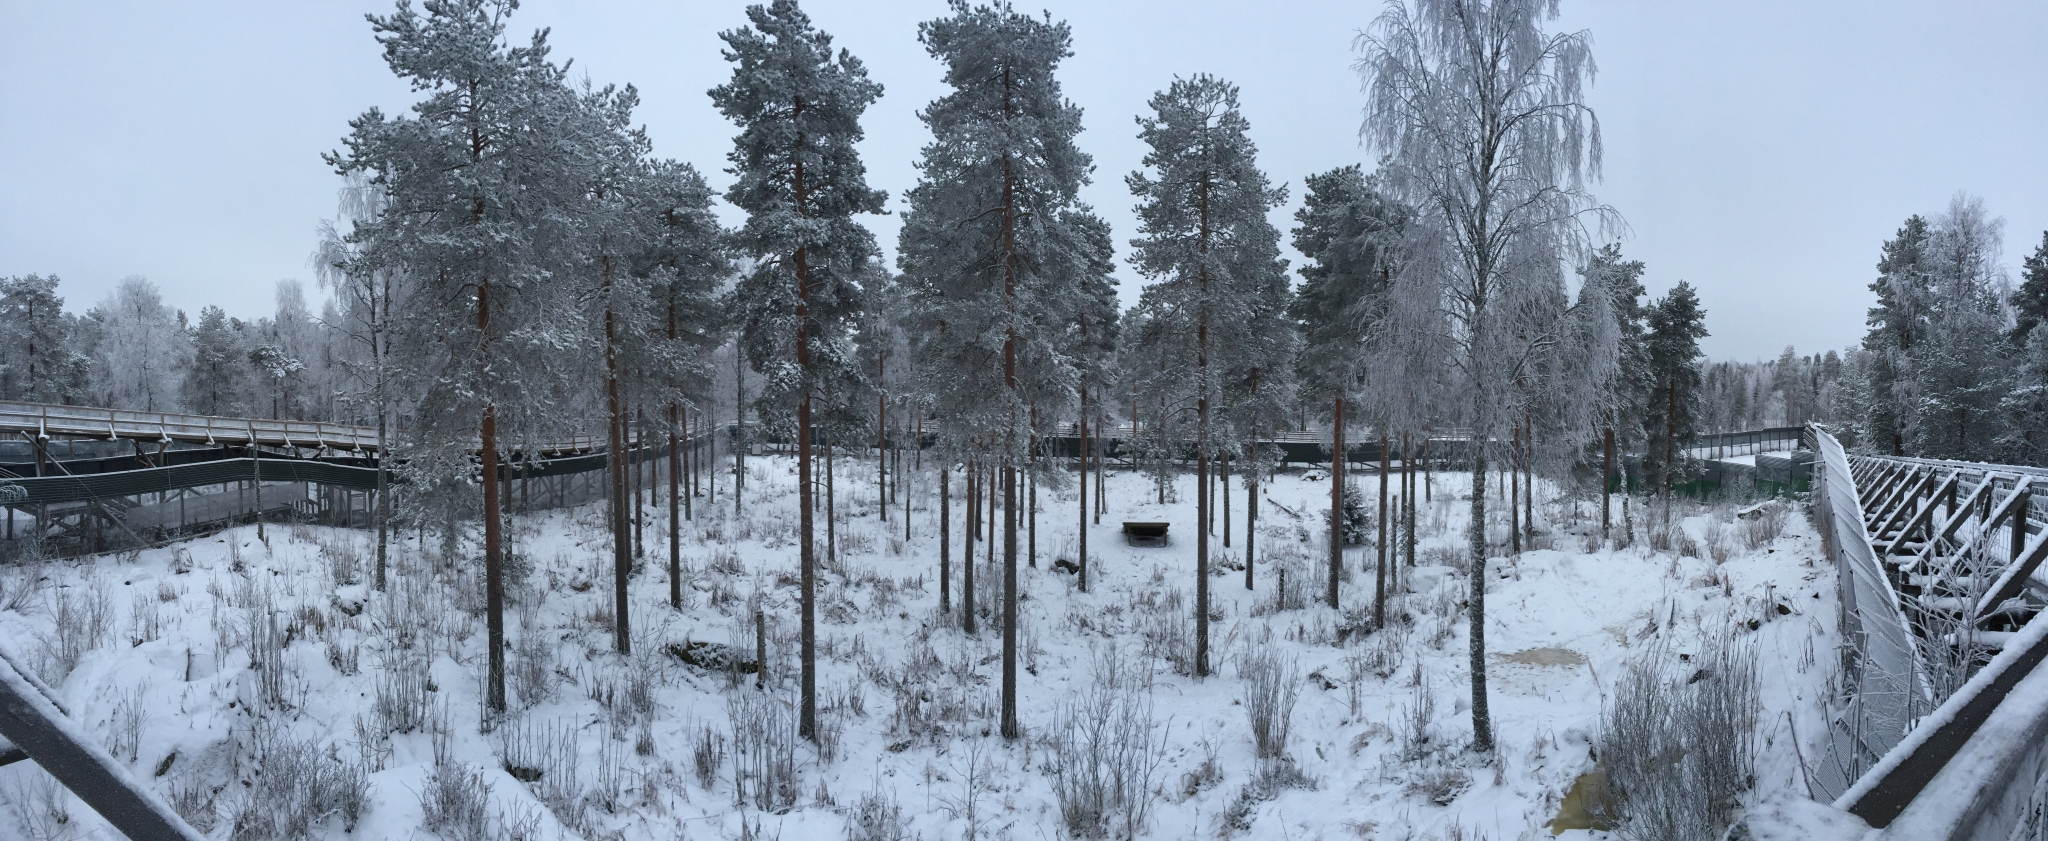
(973, 523)
(616, 463)
(945, 539)
(807, 551)
(881, 445)
(1606, 482)
(1379, 582)
(494, 556)
(1336, 500)
(675, 512)
(1081, 462)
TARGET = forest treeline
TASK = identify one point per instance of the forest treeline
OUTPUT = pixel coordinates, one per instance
(510, 262)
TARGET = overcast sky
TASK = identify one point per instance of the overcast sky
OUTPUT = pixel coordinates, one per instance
(1760, 150)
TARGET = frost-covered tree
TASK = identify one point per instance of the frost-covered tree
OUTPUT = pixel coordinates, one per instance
(683, 255)
(217, 380)
(37, 364)
(2026, 405)
(1960, 370)
(481, 190)
(2030, 300)
(1620, 402)
(1482, 117)
(142, 347)
(1671, 414)
(299, 336)
(367, 295)
(1351, 232)
(1091, 343)
(1211, 255)
(1897, 328)
(991, 255)
(800, 181)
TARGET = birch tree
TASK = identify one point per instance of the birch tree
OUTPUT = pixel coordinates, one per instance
(1482, 117)
(367, 293)
(800, 181)
(142, 345)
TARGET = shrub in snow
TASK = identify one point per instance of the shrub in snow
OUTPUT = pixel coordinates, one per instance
(1103, 755)
(1677, 740)
(124, 732)
(707, 755)
(403, 702)
(455, 804)
(877, 817)
(763, 749)
(1271, 685)
(1166, 628)
(22, 583)
(40, 803)
(293, 787)
(544, 758)
(83, 619)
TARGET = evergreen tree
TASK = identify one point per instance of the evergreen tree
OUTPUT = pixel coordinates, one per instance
(800, 181)
(2030, 301)
(1671, 415)
(483, 189)
(1212, 256)
(1897, 326)
(1959, 369)
(2026, 437)
(1622, 403)
(683, 254)
(1792, 382)
(36, 363)
(1351, 234)
(1091, 344)
(217, 380)
(991, 253)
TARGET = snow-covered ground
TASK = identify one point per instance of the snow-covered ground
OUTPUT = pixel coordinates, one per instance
(163, 649)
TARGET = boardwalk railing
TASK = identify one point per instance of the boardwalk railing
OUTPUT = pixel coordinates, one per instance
(1945, 734)
(1880, 664)
(33, 720)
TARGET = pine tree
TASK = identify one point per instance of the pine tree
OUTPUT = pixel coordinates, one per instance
(1903, 288)
(1351, 234)
(1671, 415)
(1210, 253)
(1959, 371)
(1621, 403)
(2030, 301)
(800, 181)
(482, 193)
(683, 255)
(37, 364)
(2026, 406)
(990, 253)
(1091, 344)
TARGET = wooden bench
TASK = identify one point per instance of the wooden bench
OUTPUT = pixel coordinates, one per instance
(1145, 534)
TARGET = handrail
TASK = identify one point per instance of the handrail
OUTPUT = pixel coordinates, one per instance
(1881, 663)
(31, 718)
